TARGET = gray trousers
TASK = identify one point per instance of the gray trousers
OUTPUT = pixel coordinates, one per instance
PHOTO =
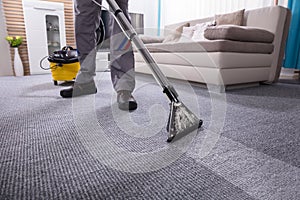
(87, 20)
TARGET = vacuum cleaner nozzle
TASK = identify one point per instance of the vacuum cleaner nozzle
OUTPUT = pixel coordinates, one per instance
(181, 121)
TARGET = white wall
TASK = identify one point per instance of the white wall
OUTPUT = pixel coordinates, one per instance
(283, 3)
(150, 10)
(5, 62)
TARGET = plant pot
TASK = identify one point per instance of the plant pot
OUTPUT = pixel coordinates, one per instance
(18, 65)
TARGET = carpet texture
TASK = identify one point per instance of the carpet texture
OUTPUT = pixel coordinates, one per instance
(54, 148)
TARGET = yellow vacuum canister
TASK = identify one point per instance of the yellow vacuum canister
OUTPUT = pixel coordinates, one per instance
(64, 64)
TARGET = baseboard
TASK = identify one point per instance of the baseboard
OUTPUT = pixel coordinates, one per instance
(243, 85)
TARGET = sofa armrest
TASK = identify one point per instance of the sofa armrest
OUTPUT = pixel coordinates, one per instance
(275, 19)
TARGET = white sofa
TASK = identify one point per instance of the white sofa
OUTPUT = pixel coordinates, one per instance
(225, 68)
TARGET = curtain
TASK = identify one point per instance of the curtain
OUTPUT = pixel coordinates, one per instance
(174, 11)
(292, 53)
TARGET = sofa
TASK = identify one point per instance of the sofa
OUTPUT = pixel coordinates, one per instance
(223, 62)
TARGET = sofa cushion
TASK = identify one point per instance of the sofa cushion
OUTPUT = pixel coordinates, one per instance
(198, 35)
(221, 60)
(151, 39)
(235, 18)
(238, 33)
(212, 46)
(175, 35)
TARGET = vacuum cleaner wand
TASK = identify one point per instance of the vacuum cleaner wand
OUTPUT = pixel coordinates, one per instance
(181, 120)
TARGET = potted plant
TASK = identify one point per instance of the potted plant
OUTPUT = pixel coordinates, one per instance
(15, 42)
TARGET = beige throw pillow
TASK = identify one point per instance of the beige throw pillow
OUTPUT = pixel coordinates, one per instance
(176, 34)
(235, 18)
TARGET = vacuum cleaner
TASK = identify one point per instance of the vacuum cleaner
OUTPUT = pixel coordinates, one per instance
(181, 120)
(64, 64)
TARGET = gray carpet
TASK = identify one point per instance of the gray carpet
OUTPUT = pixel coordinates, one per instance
(54, 148)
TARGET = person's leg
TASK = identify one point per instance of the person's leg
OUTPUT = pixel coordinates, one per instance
(122, 64)
(122, 58)
(87, 20)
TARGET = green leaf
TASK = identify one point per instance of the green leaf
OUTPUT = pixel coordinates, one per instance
(14, 41)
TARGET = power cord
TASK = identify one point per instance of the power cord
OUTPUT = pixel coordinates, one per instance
(41, 64)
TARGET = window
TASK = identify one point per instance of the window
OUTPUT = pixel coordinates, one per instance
(174, 11)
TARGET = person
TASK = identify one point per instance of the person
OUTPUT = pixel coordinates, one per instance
(87, 20)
